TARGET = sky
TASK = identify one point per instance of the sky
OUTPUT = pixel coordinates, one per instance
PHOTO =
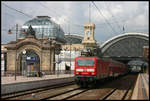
(109, 18)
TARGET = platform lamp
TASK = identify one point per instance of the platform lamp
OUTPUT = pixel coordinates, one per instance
(10, 32)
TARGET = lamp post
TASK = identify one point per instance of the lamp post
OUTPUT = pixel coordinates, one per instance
(23, 63)
(41, 49)
(58, 65)
(70, 55)
(16, 57)
(57, 52)
(50, 55)
(58, 61)
(16, 49)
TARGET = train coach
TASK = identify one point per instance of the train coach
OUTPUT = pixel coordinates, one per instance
(89, 70)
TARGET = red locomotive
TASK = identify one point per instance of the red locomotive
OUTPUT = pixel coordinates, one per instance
(88, 70)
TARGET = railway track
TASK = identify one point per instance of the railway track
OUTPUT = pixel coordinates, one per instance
(116, 94)
(33, 91)
(67, 95)
(118, 89)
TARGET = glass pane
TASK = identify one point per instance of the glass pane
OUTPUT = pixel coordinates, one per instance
(51, 29)
(85, 62)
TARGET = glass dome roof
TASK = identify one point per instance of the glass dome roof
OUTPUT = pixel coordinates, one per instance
(43, 26)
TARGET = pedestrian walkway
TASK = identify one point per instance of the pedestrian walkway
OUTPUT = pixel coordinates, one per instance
(141, 89)
(10, 80)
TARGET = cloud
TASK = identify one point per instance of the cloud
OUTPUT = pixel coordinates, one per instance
(60, 20)
(73, 15)
(116, 10)
(141, 21)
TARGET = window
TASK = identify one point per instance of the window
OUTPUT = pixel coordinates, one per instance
(85, 62)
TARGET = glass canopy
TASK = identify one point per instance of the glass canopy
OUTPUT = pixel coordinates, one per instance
(73, 39)
(44, 27)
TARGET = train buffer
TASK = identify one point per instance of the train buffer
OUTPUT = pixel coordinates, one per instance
(141, 89)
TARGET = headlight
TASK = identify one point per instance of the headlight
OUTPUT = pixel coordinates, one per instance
(93, 73)
(90, 70)
(79, 70)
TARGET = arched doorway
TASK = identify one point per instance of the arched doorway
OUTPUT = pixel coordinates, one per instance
(29, 63)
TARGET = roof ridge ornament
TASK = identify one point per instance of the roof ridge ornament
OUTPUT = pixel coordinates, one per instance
(30, 32)
(43, 17)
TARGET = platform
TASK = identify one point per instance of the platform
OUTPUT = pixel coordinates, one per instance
(10, 80)
(22, 83)
(141, 89)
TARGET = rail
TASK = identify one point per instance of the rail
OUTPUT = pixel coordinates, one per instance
(28, 92)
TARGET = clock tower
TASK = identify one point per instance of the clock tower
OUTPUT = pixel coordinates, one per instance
(89, 40)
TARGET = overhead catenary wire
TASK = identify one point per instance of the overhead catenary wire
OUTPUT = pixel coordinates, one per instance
(104, 17)
(18, 11)
(111, 22)
(113, 16)
(115, 20)
(59, 15)
(76, 25)
(30, 16)
(73, 24)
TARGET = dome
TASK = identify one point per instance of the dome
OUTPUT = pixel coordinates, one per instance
(43, 26)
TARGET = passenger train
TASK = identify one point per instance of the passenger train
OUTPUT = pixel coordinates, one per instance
(90, 69)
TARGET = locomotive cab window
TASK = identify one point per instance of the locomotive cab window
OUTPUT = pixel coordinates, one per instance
(85, 62)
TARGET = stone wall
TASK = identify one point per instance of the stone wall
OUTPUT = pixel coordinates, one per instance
(46, 55)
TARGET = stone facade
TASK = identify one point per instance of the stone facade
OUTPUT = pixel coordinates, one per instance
(146, 56)
(74, 47)
(44, 50)
(3, 59)
(89, 40)
(146, 52)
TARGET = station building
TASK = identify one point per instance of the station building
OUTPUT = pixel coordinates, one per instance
(40, 45)
(71, 49)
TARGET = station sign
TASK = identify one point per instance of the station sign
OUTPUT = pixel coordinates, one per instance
(31, 59)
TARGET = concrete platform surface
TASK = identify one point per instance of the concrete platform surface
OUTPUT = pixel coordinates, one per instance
(141, 89)
(10, 85)
(10, 80)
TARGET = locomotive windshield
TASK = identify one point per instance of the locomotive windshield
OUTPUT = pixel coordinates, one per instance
(85, 62)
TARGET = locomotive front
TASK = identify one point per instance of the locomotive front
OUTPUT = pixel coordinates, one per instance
(85, 70)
